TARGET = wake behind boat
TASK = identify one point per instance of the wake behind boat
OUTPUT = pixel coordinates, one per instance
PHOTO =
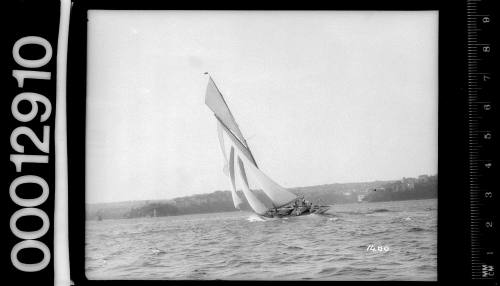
(240, 157)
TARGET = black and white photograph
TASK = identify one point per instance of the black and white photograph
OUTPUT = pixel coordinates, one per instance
(261, 145)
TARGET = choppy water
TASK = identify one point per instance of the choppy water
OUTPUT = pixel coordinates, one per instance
(239, 245)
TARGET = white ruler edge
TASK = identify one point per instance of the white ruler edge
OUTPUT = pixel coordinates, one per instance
(61, 242)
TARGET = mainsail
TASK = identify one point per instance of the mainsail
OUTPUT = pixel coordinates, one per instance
(223, 148)
(215, 101)
(226, 124)
(276, 193)
(228, 169)
(253, 201)
(236, 199)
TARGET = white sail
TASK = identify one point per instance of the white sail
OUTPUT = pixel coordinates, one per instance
(225, 170)
(215, 101)
(226, 124)
(257, 206)
(237, 143)
(278, 195)
(236, 199)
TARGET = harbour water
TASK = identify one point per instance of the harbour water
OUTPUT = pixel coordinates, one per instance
(366, 241)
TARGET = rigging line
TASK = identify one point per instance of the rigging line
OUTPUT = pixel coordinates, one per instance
(236, 137)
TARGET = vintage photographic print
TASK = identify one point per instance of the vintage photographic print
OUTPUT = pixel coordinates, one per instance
(261, 145)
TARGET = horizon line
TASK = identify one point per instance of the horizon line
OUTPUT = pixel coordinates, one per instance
(165, 199)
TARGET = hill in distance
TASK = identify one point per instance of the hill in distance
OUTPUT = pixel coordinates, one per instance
(221, 201)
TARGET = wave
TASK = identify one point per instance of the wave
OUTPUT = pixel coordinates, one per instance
(357, 270)
(352, 213)
(255, 218)
(157, 251)
(291, 247)
(416, 229)
(426, 267)
(366, 212)
(328, 270)
(380, 211)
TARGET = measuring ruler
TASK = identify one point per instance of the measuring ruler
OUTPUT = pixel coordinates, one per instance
(481, 137)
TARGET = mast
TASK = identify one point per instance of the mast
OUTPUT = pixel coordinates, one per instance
(236, 138)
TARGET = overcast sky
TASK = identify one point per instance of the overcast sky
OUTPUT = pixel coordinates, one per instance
(322, 97)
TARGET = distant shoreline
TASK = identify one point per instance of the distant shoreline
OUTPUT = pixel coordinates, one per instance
(250, 212)
(423, 187)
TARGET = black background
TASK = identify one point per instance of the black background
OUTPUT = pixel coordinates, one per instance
(21, 19)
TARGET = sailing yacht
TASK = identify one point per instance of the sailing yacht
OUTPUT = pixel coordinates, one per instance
(239, 159)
